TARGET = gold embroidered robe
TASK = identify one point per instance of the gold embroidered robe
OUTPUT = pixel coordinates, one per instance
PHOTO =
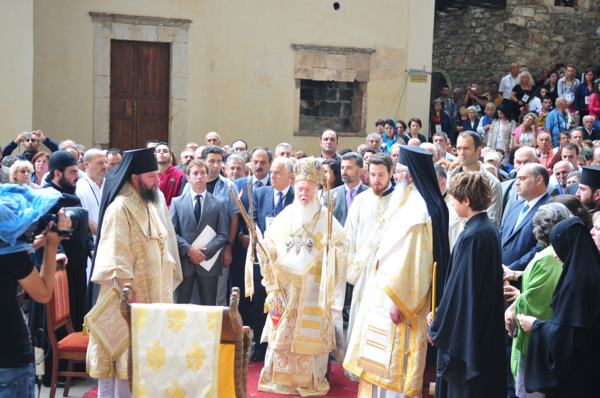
(311, 328)
(384, 354)
(134, 248)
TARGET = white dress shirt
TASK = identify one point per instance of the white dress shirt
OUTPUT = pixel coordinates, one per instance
(263, 181)
(506, 86)
(90, 195)
(531, 204)
(276, 195)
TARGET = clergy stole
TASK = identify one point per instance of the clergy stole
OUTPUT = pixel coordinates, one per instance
(316, 269)
(175, 350)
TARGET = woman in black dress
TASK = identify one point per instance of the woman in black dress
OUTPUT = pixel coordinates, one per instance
(563, 351)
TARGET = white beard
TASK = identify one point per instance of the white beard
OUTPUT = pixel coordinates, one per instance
(398, 193)
(305, 213)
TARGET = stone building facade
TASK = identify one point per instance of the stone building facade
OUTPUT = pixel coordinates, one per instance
(476, 45)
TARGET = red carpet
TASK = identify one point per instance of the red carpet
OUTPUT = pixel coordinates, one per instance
(341, 386)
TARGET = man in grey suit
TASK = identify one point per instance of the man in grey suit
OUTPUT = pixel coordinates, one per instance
(352, 171)
(191, 213)
(523, 156)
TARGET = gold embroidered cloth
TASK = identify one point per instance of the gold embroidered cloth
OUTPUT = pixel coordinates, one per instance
(175, 350)
(314, 286)
(380, 352)
(134, 248)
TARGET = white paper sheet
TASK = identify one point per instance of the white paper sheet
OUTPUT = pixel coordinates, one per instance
(207, 235)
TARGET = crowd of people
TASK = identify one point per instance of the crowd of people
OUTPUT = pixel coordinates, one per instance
(506, 188)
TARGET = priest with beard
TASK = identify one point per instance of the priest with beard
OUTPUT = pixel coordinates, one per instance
(136, 244)
(363, 221)
(306, 287)
(63, 176)
(388, 345)
(468, 328)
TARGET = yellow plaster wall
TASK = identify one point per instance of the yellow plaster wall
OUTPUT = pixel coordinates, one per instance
(240, 62)
(16, 68)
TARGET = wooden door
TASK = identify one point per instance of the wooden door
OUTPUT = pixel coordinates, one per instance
(139, 93)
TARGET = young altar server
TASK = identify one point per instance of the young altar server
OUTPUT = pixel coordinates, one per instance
(468, 328)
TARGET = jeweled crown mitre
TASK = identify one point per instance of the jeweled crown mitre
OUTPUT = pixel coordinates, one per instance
(309, 169)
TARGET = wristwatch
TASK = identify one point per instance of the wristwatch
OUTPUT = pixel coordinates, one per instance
(230, 244)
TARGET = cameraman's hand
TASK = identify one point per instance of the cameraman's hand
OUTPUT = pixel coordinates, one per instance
(39, 135)
(52, 237)
(64, 222)
(19, 138)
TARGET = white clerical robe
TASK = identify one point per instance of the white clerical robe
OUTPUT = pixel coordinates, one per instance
(362, 218)
(313, 285)
(387, 356)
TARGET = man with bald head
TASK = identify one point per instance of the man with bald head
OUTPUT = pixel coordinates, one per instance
(429, 147)
(561, 172)
(213, 138)
(414, 141)
(523, 156)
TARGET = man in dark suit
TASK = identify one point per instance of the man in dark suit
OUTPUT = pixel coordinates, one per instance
(261, 158)
(523, 156)
(519, 245)
(352, 171)
(191, 214)
(268, 202)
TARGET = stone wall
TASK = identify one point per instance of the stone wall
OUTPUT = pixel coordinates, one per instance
(476, 45)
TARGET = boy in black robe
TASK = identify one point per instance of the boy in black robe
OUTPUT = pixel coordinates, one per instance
(468, 329)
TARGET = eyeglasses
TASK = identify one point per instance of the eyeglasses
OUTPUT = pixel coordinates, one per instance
(558, 173)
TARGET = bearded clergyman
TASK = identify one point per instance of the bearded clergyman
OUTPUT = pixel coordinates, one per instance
(363, 221)
(305, 278)
(388, 345)
(136, 244)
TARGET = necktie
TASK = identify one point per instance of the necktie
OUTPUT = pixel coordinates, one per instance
(198, 208)
(523, 212)
(279, 205)
(257, 184)
(349, 198)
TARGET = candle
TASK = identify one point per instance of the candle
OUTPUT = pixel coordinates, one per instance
(433, 290)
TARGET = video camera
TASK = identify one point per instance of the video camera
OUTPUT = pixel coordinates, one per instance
(79, 224)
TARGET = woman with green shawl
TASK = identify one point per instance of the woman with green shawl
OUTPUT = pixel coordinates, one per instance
(539, 280)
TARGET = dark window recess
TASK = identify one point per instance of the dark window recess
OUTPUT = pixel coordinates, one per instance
(329, 104)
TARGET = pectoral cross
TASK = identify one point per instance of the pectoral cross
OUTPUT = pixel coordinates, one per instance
(316, 271)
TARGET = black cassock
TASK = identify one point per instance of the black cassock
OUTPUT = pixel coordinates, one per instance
(469, 325)
(563, 352)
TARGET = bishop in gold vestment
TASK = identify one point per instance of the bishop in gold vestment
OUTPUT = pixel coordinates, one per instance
(299, 271)
(136, 244)
(388, 345)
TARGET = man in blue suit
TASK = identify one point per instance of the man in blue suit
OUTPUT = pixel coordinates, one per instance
(261, 158)
(352, 171)
(519, 245)
(268, 202)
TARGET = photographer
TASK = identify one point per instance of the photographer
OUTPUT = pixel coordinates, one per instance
(62, 177)
(16, 353)
(31, 141)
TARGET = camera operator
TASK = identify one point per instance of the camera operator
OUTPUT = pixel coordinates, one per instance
(16, 353)
(31, 142)
(63, 176)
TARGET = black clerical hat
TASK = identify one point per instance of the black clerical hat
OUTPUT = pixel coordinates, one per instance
(415, 153)
(61, 159)
(590, 176)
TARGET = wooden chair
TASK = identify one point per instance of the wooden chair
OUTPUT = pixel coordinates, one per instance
(232, 332)
(74, 346)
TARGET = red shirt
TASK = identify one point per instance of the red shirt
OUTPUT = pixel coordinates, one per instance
(170, 183)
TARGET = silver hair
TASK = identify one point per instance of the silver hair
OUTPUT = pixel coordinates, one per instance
(490, 166)
(570, 165)
(18, 165)
(373, 135)
(547, 217)
(79, 147)
(430, 145)
(439, 149)
(235, 158)
(472, 108)
(590, 116)
(87, 156)
(289, 166)
(184, 151)
(283, 144)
